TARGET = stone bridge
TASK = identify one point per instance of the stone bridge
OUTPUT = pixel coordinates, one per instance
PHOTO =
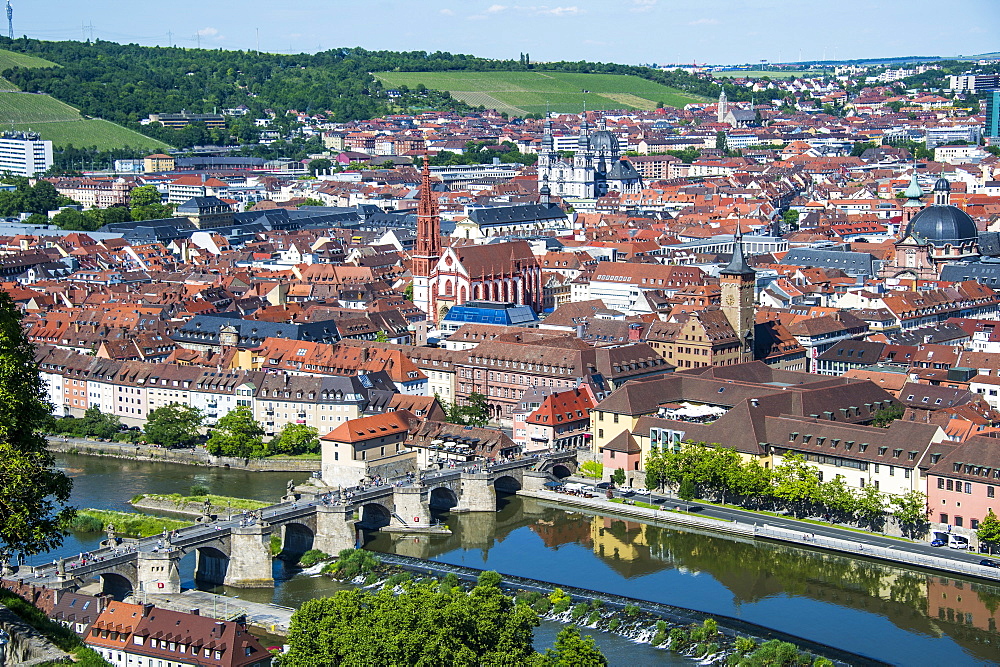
(237, 553)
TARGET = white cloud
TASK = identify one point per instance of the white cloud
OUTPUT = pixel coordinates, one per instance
(533, 10)
(703, 22)
(643, 5)
(208, 32)
(558, 11)
(447, 12)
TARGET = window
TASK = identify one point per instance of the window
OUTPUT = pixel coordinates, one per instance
(968, 487)
(944, 518)
(940, 482)
(950, 485)
(974, 523)
(989, 492)
(958, 521)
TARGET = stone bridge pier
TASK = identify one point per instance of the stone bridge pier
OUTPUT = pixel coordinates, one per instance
(335, 529)
(478, 494)
(156, 572)
(250, 557)
(411, 506)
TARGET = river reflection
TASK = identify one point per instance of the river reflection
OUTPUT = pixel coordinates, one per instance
(895, 614)
(899, 615)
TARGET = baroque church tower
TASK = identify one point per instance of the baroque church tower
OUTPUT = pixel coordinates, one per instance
(427, 250)
(738, 281)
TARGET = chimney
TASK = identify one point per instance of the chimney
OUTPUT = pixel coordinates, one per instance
(195, 612)
(147, 609)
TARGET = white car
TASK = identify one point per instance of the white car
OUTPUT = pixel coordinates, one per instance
(641, 491)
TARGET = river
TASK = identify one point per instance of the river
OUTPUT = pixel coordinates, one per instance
(896, 614)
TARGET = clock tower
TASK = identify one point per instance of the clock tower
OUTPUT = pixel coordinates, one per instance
(738, 281)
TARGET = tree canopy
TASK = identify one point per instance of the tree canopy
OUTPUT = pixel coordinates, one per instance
(173, 425)
(33, 494)
(237, 434)
(426, 624)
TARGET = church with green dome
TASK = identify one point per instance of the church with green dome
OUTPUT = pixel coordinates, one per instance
(931, 236)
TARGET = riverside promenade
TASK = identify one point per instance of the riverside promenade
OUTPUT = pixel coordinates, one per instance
(750, 525)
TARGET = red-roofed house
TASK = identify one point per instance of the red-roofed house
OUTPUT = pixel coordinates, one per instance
(368, 447)
(562, 421)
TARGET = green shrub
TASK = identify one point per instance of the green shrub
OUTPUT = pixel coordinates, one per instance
(398, 578)
(711, 628)
(312, 557)
(614, 624)
(562, 605)
(129, 524)
(275, 544)
(542, 605)
(352, 562)
(744, 645)
(86, 523)
(370, 579)
(198, 490)
(820, 661)
(579, 610)
(658, 638)
(678, 639)
(631, 610)
(593, 618)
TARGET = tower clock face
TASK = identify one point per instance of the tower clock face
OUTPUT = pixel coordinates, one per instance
(730, 299)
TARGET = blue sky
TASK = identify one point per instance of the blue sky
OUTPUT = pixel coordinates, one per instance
(625, 31)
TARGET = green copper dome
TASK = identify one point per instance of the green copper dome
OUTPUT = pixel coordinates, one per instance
(913, 190)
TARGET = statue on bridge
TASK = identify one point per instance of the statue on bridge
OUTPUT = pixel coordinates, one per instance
(112, 537)
(206, 512)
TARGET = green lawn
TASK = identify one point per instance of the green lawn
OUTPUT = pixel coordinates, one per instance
(217, 501)
(63, 125)
(533, 92)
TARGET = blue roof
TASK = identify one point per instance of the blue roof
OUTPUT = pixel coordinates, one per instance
(492, 312)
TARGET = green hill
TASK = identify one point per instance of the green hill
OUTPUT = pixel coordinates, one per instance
(521, 93)
(10, 59)
(63, 125)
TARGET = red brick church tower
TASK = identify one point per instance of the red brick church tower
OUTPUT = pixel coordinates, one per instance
(427, 250)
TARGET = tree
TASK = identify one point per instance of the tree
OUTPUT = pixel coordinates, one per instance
(295, 439)
(687, 490)
(989, 531)
(426, 624)
(618, 476)
(592, 468)
(144, 195)
(796, 482)
(910, 511)
(572, 650)
(173, 425)
(655, 469)
(720, 140)
(99, 424)
(837, 497)
(72, 220)
(885, 416)
(870, 507)
(476, 411)
(237, 434)
(33, 493)
(318, 165)
(791, 219)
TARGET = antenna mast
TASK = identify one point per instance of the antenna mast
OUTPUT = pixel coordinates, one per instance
(10, 20)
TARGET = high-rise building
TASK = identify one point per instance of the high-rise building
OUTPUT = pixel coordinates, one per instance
(24, 153)
(993, 113)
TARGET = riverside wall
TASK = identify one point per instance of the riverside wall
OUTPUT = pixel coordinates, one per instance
(192, 457)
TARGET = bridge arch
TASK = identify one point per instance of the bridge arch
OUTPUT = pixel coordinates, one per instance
(296, 539)
(561, 471)
(374, 516)
(211, 565)
(443, 498)
(507, 484)
(117, 585)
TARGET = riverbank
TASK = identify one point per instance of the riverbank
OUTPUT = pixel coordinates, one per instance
(189, 457)
(602, 506)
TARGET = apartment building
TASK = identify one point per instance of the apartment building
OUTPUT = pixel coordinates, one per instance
(24, 154)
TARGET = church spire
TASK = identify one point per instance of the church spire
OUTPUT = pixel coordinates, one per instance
(427, 249)
(738, 264)
(723, 106)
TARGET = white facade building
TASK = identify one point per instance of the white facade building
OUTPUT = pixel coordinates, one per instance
(24, 153)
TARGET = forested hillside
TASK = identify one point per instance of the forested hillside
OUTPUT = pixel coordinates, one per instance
(126, 82)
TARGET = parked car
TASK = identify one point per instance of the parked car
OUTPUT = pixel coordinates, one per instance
(989, 562)
(938, 543)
